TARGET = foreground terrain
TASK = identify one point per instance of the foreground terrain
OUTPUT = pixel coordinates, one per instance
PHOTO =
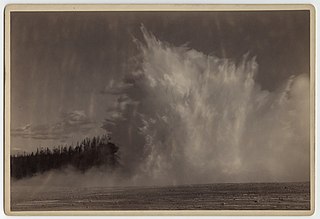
(234, 196)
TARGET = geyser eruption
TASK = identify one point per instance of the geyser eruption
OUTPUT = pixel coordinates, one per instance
(187, 117)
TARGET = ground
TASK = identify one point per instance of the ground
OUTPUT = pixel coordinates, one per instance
(233, 196)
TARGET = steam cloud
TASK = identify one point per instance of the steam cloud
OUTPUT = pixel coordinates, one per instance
(187, 117)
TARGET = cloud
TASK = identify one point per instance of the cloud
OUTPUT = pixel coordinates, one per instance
(115, 88)
(68, 124)
(122, 102)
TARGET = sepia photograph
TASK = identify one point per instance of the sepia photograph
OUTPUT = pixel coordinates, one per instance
(139, 109)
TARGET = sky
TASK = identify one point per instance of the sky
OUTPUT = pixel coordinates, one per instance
(70, 73)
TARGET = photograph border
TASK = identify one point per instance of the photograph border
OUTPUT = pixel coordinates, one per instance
(153, 7)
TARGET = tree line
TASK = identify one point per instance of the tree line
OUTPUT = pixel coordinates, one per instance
(91, 152)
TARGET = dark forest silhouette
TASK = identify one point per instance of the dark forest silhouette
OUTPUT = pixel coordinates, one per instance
(95, 152)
